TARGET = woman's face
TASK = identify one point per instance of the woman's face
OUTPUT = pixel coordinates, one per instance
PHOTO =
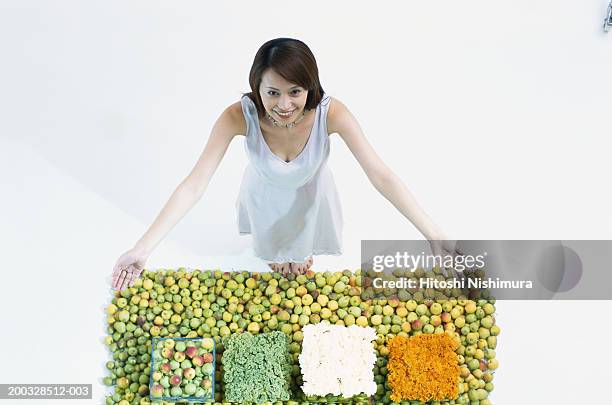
(283, 100)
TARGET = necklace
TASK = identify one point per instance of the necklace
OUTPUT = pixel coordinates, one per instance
(280, 124)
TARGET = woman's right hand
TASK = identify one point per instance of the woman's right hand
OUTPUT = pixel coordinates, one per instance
(128, 268)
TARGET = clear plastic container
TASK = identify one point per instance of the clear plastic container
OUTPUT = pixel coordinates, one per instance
(179, 373)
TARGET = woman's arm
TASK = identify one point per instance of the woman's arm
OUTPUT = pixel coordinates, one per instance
(190, 190)
(341, 121)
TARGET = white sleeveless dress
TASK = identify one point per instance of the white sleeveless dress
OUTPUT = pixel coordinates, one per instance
(291, 209)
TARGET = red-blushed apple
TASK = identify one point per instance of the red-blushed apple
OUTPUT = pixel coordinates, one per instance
(207, 357)
(165, 368)
(167, 353)
(198, 361)
(189, 373)
(416, 325)
(191, 352)
(157, 391)
(179, 356)
(175, 380)
(354, 291)
(435, 320)
(206, 384)
(446, 317)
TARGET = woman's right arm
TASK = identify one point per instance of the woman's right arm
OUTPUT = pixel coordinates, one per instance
(189, 191)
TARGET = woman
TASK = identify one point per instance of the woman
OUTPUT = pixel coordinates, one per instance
(288, 200)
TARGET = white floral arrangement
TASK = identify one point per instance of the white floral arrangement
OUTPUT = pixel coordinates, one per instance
(338, 360)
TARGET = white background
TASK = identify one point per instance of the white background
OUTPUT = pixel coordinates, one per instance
(495, 114)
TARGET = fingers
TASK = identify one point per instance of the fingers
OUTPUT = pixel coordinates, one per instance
(118, 285)
(120, 271)
(132, 275)
(446, 247)
(125, 277)
(119, 276)
(116, 273)
(459, 250)
(135, 275)
(452, 249)
(440, 248)
(115, 278)
(131, 278)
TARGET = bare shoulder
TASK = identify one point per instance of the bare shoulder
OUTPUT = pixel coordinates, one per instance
(337, 116)
(233, 119)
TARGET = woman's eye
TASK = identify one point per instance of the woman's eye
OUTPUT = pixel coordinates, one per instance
(294, 92)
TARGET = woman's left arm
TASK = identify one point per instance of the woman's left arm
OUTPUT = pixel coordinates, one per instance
(341, 121)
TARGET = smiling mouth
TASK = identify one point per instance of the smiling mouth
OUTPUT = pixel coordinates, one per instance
(284, 115)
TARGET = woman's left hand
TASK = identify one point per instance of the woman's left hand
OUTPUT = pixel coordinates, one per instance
(441, 246)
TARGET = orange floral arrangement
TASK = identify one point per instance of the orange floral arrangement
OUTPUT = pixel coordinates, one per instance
(423, 368)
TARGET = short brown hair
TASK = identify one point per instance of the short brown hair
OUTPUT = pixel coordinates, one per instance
(294, 62)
